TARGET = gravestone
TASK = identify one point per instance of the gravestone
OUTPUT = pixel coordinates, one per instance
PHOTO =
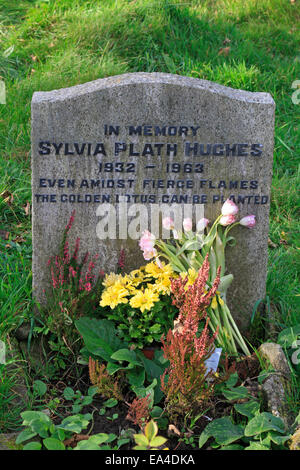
(151, 139)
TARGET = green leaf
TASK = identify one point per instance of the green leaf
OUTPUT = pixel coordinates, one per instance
(158, 441)
(126, 355)
(39, 387)
(53, 444)
(256, 446)
(279, 440)
(231, 382)
(262, 423)
(110, 403)
(69, 393)
(141, 440)
(33, 446)
(236, 393)
(232, 447)
(93, 442)
(24, 436)
(151, 430)
(136, 377)
(223, 430)
(99, 336)
(248, 409)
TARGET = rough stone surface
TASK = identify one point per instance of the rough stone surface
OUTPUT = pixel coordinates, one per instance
(219, 116)
(275, 389)
(273, 352)
(8, 441)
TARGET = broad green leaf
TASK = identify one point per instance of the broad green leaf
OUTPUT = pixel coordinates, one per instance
(232, 447)
(136, 377)
(256, 446)
(53, 444)
(24, 436)
(262, 423)
(249, 409)
(151, 430)
(158, 441)
(69, 393)
(99, 336)
(126, 355)
(231, 382)
(223, 430)
(277, 439)
(39, 387)
(236, 393)
(33, 446)
(141, 440)
(30, 416)
(110, 403)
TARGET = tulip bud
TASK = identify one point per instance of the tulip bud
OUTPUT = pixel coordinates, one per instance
(229, 208)
(187, 224)
(202, 224)
(149, 254)
(248, 221)
(168, 223)
(147, 241)
(227, 220)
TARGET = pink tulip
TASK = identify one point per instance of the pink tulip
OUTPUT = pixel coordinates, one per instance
(187, 224)
(147, 241)
(227, 220)
(248, 221)
(149, 254)
(229, 208)
(168, 223)
(202, 224)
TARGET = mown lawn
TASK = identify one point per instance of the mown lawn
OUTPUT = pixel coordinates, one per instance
(47, 44)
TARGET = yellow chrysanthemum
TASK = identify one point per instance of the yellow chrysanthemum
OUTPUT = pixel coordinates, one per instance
(114, 295)
(111, 279)
(144, 300)
(156, 271)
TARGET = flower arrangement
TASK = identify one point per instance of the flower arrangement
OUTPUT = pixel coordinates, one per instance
(186, 253)
(139, 303)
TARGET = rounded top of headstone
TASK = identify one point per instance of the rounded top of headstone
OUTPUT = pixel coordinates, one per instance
(151, 78)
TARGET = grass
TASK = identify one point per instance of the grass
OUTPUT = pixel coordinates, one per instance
(46, 44)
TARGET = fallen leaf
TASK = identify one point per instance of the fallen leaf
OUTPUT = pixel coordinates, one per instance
(271, 244)
(226, 41)
(7, 196)
(173, 430)
(224, 51)
(73, 441)
(19, 239)
(34, 57)
(4, 235)
(27, 208)
(51, 44)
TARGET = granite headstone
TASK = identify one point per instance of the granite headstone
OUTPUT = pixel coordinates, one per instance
(147, 139)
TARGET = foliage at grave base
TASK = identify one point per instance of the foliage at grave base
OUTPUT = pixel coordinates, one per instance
(74, 292)
(139, 303)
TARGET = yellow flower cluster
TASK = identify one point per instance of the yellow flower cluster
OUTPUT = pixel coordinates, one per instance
(140, 288)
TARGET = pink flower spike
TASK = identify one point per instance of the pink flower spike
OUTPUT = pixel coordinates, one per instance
(227, 220)
(229, 208)
(202, 224)
(248, 221)
(168, 223)
(187, 224)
